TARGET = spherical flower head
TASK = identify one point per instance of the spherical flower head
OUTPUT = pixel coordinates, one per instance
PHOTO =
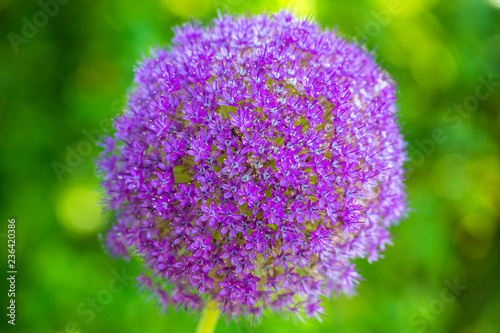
(256, 159)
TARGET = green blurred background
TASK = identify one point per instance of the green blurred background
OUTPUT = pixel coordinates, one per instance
(62, 81)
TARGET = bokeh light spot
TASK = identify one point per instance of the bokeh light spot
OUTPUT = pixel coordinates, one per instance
(4, 4)
(480, 226)
(300, 7)
(495, 3)
(431, 62)
(450, 178)
(188, 8)
(78, 210)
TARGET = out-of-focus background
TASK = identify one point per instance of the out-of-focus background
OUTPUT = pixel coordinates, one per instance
(65, 67)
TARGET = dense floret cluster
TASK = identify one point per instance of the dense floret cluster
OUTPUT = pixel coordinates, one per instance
(255, 160)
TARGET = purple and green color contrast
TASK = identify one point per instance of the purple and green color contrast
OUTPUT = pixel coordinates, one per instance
(255, 160)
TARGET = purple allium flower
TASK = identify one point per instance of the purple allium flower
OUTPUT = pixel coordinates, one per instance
(255, 160)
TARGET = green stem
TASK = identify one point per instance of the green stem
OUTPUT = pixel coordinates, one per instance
(209, 320)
